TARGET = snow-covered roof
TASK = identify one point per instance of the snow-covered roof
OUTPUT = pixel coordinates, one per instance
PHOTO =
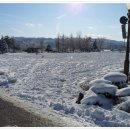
(115, 77)
(123, 92)
(102, 88)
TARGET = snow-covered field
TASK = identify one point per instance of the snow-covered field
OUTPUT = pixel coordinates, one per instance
(52, 82)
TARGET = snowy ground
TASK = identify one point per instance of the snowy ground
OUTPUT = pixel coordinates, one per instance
(52, 82)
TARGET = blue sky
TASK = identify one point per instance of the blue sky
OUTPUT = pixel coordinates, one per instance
(47, 20)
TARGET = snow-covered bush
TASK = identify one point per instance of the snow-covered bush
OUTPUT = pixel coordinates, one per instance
(125, 106)
(117, 78)
(96, 81)
(105, 89)
(99, 100)
(123, 92)
(86, 85)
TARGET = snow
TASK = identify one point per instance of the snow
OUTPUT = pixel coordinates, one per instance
(100, 100)
(123, 92)
(125, 106)
(102, 88)
(99, 81)
(3, 82)
(116, 77)
(1, 72)
(11, 78)
(85, 84)
(52, 83)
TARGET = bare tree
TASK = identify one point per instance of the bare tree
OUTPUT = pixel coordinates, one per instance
(42, 46)
(78, 43)
(72, 45)
(63, 43)
(100, 43)
(58, 42)
(86, 43)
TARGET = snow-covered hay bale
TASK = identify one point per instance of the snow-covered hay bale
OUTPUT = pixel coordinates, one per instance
(102, 88)
(123, 92)
(117, 78)
(99, 100)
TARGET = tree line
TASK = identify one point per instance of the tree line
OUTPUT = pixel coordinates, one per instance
(7, 44)
(62, 43)
(78, 44)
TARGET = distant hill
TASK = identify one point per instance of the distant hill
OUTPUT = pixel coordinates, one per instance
(109, 44)
(28, 41)
(113, 44)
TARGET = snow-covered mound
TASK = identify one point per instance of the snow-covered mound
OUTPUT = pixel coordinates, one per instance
(96, 81)
(103, 88)
(1, 72)
(123, 92)
(116, 78)
(11, 78)
(3, 82)
(125, 106)
(86, 85)
(99, 100)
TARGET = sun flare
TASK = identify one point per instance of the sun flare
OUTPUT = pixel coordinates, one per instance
(76, 8)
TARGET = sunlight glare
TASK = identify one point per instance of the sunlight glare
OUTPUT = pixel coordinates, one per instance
(76, 8)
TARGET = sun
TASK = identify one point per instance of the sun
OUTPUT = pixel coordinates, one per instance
(76, 8)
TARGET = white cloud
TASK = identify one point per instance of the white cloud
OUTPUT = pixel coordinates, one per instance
(61, 16)
(39, 25)
(30, 25)
(91, 28)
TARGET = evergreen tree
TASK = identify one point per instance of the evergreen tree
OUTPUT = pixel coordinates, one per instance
(95, 48)
(3, 46)
(48, 48)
